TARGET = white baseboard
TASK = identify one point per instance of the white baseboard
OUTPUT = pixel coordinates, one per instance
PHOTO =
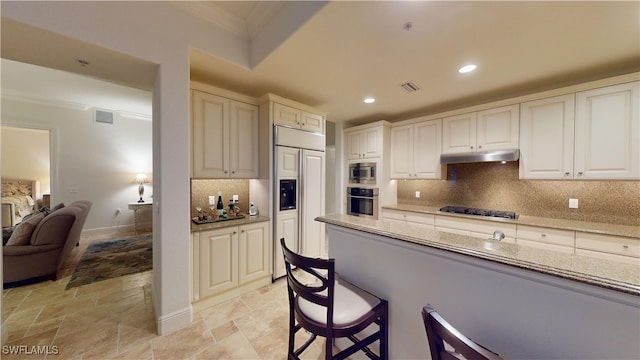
(108, 230)
(174, 321)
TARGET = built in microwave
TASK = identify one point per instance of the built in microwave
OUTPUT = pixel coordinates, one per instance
(362, 173)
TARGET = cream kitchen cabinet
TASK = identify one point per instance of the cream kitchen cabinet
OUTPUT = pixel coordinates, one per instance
(492, 129)
(425, 221)
(483, 229)
(364, 143)
(607, 133)
(230, 260)
(609, 247)
(290, 116)
(546, 138)
(415, 150)
(225, 137)
(546, 238)
(592, 134)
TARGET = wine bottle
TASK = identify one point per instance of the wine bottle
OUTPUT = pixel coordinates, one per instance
(220, 204)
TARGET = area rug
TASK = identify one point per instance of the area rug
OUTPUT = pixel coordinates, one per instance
(113, 258)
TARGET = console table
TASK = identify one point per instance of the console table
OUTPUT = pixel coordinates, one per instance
(135, 206)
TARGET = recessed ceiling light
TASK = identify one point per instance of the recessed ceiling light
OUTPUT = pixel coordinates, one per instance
(467, 68)
(369, 100)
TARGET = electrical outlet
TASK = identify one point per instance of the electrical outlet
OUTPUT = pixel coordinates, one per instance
(417, 194)
(573, 203)
(234, 198)
(212, 200)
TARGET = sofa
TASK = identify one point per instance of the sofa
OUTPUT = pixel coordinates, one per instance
(48, 246)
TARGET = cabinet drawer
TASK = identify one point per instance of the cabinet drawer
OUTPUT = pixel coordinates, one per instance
(602, 255)
(608, 244)
(546, 235)
(393, 215)
(486, 227)
(547, 246)
(422, 219)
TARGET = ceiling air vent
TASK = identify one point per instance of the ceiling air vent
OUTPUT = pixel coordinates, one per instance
(410, 87)
(105, 117)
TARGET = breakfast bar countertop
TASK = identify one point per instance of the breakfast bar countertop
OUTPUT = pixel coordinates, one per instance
(603, 273)
(564, 224)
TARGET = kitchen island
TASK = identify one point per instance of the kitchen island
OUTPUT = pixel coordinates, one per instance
(519, 301)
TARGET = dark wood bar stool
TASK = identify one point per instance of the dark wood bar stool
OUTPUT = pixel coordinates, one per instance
(330, 307)
(439, 332)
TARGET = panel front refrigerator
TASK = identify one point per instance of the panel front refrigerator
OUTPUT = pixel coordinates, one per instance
(299, 195)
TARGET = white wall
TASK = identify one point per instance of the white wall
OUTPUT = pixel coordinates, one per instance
(93, 161)
(25, 155)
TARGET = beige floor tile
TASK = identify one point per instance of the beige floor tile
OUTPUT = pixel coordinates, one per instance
(184, 343)
(234, 347)
(51, 311)
(33, 347)
(143, 352)
(224, 331)
(98, 341)
(223, 313)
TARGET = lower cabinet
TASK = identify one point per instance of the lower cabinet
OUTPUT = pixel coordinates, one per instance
(230, 261)
(402, 218)
(609, 247)
(546, 238)
(477, 228)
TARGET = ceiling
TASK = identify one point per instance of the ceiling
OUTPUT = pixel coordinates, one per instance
(349, 50)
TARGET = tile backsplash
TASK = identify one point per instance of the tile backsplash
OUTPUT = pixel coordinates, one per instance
(201, 189)
(497, 186)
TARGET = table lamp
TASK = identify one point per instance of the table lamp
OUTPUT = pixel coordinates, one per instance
(141, 179)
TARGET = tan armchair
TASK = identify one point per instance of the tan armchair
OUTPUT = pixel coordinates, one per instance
(51, 243)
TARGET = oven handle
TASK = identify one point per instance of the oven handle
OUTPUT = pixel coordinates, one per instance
(362, 197)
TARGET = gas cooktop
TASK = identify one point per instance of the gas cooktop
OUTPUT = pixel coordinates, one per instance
(480, 212)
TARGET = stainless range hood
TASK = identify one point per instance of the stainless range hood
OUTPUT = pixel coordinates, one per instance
(480, 156)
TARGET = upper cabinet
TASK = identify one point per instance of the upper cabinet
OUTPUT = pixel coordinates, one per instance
(299, 119)
(364, 143)
(593, 134)
(493, 129)
(225, 137)
(608, 133)
(415, 150)
(546, 138)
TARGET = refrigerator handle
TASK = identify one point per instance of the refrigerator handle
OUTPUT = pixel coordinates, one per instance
(301, 188)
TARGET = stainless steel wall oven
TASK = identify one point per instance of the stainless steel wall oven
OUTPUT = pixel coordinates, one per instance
(362, 201)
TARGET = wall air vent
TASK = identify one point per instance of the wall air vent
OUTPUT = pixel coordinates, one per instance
(410, 87)
(105, 117)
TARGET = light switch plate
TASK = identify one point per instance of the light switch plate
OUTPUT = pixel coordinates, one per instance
(212, 200)
(417, 194)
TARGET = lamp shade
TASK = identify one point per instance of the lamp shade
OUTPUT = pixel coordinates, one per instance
(141, 179)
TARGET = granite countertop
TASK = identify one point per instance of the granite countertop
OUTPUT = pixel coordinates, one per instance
(227, 223)
(584, 226)
(608, 274)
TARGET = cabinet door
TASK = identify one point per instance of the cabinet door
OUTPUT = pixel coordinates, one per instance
(210, 119)
(288, 162)
(243, 141)
(498, 128)
(353, 140)
(312, 187)
(371, 142)
(254, 252)
(459, 134)
(312, 122)
(287, 228)
(426, 150)
(218, 261)
(546, 138)
(286, 115)
(402, 152)
(608, 133)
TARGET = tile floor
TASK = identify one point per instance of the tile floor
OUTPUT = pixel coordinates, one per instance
(114, 319)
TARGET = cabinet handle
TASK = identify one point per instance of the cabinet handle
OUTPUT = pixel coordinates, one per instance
(566, 173)
(479, 146)
(226, 172)
(242, 231)
(471, 147)
(543, 235)
(580, 173)
(235, 232)
(625, 246)
(233, 171)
